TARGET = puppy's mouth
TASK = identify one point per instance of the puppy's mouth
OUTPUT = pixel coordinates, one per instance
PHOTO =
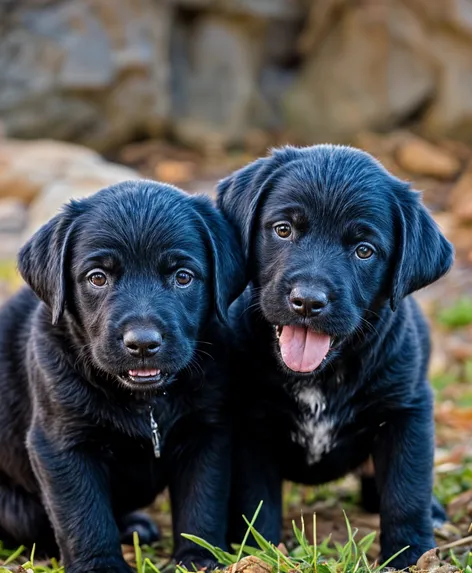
(303, 350)
(145, 379)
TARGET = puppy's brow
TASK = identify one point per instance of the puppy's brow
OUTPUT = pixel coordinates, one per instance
(360, 229)
(105, 259)
(178, 257)
(293, 214)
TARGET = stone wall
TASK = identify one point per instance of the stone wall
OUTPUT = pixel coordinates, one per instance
(104, 72)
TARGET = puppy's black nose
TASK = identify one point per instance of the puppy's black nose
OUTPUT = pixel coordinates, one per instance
(308, 302)
(142, 341)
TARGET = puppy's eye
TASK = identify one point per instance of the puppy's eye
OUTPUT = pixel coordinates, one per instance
(183, 278)
(283, 229)
(97, 278)
(364, 251)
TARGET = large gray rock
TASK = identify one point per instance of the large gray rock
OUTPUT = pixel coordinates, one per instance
(369, 72)
(96, 72)
(282, 9)
(216, 65)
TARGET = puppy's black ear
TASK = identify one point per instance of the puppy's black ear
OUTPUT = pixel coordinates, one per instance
(424, 254)
(239, 195)
(227, 258)
(41, 261)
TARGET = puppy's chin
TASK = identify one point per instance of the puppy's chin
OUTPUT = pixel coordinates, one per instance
(154, 374)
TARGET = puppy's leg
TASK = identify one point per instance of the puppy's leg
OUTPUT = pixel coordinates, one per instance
(23, 520)
(141, 523)
(255, 478)
(371, 499)
(199, 488)
(76, 494)
(403, 458)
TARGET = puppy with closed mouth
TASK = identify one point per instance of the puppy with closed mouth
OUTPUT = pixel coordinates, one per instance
(109, 380)
(331, 352)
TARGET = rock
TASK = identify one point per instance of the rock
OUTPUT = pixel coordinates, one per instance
(27, 168)
(218, 82)
(422, 158)
(84, 71)
(45, 174)
(281, 9)
(364, 69)
(461, 197)
(13, 215)
(78, 184)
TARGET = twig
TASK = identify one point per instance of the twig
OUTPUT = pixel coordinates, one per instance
(457, 543)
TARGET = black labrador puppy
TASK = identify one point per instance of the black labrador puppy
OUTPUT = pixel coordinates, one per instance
(109, 385)
(330, 366)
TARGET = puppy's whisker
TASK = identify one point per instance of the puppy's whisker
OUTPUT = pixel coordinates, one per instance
(204, 342)
(251, 307)
(199, 351)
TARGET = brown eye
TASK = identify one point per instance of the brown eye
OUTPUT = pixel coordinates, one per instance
(183, 278)
(364, 251)
(283, 230)
(97, 279)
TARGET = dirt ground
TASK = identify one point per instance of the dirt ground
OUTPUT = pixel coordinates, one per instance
(447, 191)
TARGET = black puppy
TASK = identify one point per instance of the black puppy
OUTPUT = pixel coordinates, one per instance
(109, 388)
(331, 362)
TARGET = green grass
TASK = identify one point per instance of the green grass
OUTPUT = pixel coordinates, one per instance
(308, 555)
(454, 482)
(457, 315)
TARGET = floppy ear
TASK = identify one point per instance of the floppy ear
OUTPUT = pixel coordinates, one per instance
(227, 259)
(239, 195)
(41, 262)
(425, 254)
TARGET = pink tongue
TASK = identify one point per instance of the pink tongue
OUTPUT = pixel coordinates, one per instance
(302, 349)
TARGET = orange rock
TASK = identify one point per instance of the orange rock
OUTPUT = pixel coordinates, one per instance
(461, 197)
(420, 157)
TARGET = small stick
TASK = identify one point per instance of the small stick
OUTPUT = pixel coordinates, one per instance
(457, 543)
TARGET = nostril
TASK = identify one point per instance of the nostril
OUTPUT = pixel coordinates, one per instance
(142, 341)
(298, 302)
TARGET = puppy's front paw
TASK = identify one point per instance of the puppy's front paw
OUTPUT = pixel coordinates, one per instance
(141, 523)
(198, 562)
(112, 566)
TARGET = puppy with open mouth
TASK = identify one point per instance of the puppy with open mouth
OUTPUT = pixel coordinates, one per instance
(331, 352)
(112, 377)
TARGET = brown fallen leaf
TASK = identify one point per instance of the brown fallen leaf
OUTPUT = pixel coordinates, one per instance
(429, 561)
(175, 171)
(250, 564)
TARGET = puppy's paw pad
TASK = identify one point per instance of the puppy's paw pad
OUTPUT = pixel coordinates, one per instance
(145, 527)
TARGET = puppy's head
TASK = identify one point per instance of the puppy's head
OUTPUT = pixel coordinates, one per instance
(139, 268)
(329, 236)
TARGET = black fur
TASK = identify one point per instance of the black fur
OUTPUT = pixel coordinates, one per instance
(370, 396)
(76, 456)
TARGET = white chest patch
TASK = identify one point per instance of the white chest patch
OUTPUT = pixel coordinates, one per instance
(315, 431)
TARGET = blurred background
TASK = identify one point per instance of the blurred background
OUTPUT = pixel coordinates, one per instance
(93, 92)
